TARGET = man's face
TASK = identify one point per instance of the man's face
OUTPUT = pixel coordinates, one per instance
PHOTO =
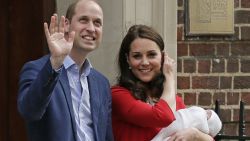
(87, 22)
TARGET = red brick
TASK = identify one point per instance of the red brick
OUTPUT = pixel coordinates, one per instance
(242, 82)
(189, 66)
(225, 82)
(180, 3)
(233, 65)
(205, 99)
(230, 129)
(182, 49)
(247, 130)
(180, 33)
(180, 17)
(240, 49)
(204, 66)
(232, 49)
(218, 65)
(223, 49)
(205, 82)
(179, 65)
(245, 33)
(246, 98)
(225, 114)
(246, 114)
(245, 66)
(220, 96)
(242, 17)
(236, 4)
(202, 49)
(236, 33)
(245, 4)
(236, 114)
(233, 98)
(190, 98)
(183, 82)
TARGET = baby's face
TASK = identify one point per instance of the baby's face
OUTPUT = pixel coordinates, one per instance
(209, 113)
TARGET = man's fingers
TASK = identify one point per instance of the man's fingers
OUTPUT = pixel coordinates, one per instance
(62, 24)
(46, 31)
(56, 23)
(52, 25)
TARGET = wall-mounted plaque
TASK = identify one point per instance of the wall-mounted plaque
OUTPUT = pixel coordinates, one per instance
(206, 17)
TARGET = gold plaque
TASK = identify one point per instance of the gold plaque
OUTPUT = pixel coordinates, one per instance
(206, 17)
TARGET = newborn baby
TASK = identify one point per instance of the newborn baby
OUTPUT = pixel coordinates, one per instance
(206, 121)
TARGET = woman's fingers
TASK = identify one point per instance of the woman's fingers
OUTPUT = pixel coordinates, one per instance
(168, 60)
(168, 65)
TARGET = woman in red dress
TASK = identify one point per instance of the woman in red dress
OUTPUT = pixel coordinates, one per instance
(144, 98)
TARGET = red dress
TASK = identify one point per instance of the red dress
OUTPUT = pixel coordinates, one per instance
(134, 120)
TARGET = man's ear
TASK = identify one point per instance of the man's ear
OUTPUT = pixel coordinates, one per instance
(66, 28)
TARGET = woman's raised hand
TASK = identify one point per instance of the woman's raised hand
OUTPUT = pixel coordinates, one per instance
(169, 92)
(59, 47)
(169, 65)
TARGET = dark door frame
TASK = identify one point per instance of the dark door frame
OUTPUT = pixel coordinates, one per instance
(21, 39)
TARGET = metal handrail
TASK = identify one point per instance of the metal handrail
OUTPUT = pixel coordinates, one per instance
(241, 134)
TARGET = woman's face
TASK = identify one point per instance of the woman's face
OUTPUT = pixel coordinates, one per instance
(144, 59)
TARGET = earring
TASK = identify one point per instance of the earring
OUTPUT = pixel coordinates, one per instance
(129, 67)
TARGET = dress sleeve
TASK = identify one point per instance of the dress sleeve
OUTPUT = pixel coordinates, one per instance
(179, 103)
(127, 108)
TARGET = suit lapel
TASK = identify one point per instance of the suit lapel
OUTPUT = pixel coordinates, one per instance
(95, 97)
(66, 88)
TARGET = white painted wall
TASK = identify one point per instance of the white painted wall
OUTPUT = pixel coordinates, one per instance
(104, 58)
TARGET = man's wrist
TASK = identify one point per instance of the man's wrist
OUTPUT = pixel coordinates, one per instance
(56, 63)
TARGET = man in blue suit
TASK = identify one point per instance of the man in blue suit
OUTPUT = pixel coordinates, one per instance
(61, 97)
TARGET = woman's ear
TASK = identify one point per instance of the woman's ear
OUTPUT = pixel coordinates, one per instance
(127, 58)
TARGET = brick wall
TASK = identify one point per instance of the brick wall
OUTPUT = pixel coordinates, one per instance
(216, 67)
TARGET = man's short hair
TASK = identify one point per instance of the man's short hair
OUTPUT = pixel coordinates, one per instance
(71, 9)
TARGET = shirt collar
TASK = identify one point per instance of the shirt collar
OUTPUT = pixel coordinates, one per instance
(68, 62)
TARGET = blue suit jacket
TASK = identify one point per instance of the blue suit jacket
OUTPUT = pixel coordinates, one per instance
(44, 101)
